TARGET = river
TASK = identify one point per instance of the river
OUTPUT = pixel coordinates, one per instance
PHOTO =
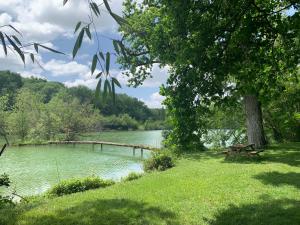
(33, 170)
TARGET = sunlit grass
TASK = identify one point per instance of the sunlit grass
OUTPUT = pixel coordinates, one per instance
(202, 189)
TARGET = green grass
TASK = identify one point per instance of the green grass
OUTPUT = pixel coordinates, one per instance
(202, 189)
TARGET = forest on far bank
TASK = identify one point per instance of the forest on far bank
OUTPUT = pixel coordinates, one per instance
(33, 109)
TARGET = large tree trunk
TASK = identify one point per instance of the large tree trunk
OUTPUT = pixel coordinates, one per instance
(255, 129)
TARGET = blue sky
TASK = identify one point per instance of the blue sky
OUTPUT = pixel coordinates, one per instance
(50, 23)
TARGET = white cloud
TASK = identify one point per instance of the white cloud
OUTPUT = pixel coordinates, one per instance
(63, 68)
(5, 18)
(45, 20)
(90, 83)
(155, 100)
(159, 77)
(28, 74)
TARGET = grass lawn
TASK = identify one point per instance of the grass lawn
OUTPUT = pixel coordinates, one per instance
(202, 189)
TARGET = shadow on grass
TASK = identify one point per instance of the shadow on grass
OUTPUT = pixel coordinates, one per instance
(288, 153)
(269, 212)
(108, 212)
(291, 158)
(278, 179)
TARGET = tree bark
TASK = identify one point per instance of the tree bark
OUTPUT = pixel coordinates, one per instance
(255, 129)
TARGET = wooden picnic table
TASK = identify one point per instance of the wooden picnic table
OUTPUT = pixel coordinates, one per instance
(239, 149)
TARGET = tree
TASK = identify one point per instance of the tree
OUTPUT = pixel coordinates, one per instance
(25, 114)
(69, 117)
(218, 51)
(84, 94)
(9, 82)
(46, 89)
(281, 112)
(3, 116)
(124, 105)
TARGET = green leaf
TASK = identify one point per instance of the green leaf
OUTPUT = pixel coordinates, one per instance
(107, 88)
(12, 27)
(107, 5)
(32, 57)
(116, 46)
(88, 32)
(36, 47)
(98, 89)
(94, 63)
(115, 81)
(99, 75)
(16, 39)
(113, 91)
(102, 55)
(107, 62)
(77, 27)
(17, 49)
(3, 43)
(95, 8)
(78, 43)
(123, 50)
(52, 50)
(65, 1)
(119, 19)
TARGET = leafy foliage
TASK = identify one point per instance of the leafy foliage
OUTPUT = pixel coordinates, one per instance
(218, 51)
(4, 182)
(154, 125)
(158, 161)
(121, 122)
(281, 112)
(132, 176)
(78, 185)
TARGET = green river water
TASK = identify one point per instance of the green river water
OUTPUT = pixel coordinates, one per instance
(33, 170)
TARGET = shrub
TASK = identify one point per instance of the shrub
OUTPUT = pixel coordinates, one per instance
(158, 161)
(121, 122)
(5, 182)
(132, 176)
(154, 125)
(78, 185)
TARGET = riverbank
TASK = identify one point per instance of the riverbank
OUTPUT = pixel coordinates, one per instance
(202, 189)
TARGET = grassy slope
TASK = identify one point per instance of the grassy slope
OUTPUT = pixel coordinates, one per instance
(201, 189)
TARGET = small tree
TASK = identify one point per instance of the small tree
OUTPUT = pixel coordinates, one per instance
(25, 113)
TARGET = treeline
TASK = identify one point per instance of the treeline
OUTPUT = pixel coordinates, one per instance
(36, 109)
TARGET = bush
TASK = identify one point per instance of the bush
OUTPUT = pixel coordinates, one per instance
(77, 185)
(158, 161)
(132, 176)
(121, 122)
(154, 125)
(5, 182)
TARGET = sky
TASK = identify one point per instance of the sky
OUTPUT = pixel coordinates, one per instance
(52, 24)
